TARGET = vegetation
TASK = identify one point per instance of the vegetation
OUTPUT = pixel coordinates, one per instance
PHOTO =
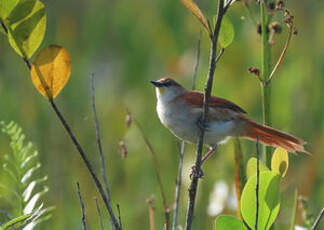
(125, 44)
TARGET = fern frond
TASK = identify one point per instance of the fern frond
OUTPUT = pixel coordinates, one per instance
(23, 187)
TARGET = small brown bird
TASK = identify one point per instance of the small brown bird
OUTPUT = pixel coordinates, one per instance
(180, 110)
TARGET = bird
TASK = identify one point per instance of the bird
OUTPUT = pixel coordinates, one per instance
(180, 110)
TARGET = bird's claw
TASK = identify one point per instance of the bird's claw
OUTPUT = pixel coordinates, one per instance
(196, 173)
(200, 123)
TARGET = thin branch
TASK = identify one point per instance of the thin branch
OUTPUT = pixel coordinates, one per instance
(282, 55)
(99, 215)
(207, 94)
(318, 219)
(119, 216)
(4, 26)
(257, 184)
(178, 186)
(157, 172)
(87, 163)
(151, 212)
(102, 159)
(183, 144)
(84, 221)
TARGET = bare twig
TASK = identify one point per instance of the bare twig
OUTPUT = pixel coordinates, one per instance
(318, 219)
(102, 159)
(257, 184)
(291, 29)
(3, 26)
(87, 162)
(207, 94)
(99, 215)
(119, 216)
(183, 144)
(157, 172)
(84, 221)
(178, 186)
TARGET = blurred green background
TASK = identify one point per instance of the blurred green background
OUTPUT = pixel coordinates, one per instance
(126, 44)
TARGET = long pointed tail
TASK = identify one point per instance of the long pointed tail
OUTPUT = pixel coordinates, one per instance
(273, 137)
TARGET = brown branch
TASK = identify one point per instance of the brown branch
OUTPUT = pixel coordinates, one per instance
(213, 60)
(318, 219)
(282, 55)
(84, 221)
(157, 172)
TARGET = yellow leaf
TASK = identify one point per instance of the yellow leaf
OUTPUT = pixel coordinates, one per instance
(251, 168)
(194, 9)
(280, 161)
(51, 70)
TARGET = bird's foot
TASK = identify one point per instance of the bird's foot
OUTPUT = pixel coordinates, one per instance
(200, 123)
(196, 173)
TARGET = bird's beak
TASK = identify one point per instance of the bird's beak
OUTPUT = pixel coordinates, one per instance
(157, 84)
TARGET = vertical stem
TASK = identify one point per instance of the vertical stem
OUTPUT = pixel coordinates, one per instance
(265, 72)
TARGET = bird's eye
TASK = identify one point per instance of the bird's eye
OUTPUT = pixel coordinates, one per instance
(167, 83)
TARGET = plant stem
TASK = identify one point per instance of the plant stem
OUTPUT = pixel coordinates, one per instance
(84, 221)
(265, 73)
(208, 88)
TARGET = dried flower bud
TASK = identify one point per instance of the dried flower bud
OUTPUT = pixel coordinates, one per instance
(280, 4)
(129, 119)
(295, 32)
(255, 71)
(150, 200)
(276, 27)
(272, 5)
(123, 149)
(259, 29)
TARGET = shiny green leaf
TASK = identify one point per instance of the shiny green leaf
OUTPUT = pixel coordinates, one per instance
(226, 33)
(269, 200)
(280, 161)
(251, 168)
(26, 24)
(225, 222)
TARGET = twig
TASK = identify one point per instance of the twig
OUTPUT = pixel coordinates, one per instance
(282, 55)
(82, 208)
(99, 215)
(157, 172)
(102, 159)
(119, 216)
(257, 184)
(207, 94)
(3, 26)
(318, 219)
(183, 144)
(178, 186)
(87, 162)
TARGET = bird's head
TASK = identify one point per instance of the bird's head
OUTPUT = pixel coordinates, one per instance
(167, 89)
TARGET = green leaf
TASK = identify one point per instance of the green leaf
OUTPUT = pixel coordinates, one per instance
(251, 168)
(269, 200)
(15, 221)
(226, 33)
(280, 161)
(225, 222)
(26, 24)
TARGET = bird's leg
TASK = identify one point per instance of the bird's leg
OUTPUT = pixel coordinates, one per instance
(209, 153)
(200, 173)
